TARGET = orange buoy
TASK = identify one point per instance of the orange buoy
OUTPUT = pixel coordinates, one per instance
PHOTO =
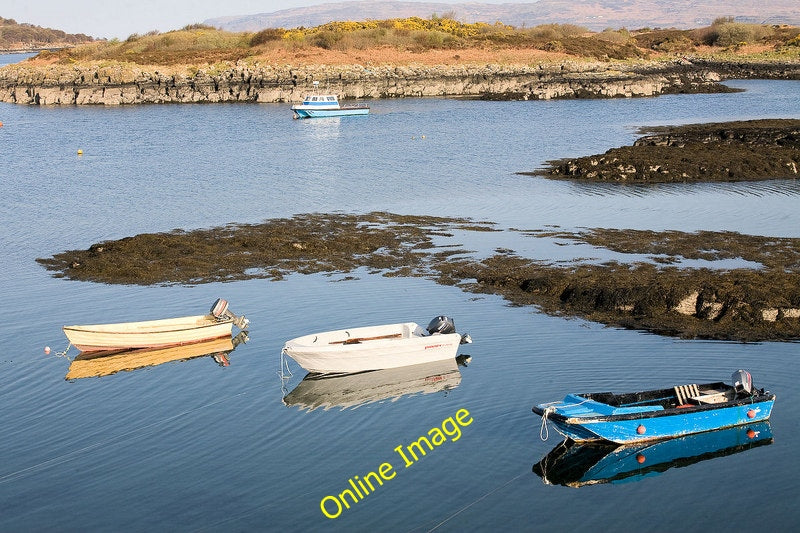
(750, 433)
(751, 413)
(640, 430)
(640, 458)
(1, 124)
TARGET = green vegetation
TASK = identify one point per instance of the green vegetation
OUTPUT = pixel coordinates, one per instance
(195, 43)
(198, 43)
(723, 33)
(14, 36)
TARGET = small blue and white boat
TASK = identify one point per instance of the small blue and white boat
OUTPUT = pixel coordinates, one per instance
(326, 105)
(657, 414)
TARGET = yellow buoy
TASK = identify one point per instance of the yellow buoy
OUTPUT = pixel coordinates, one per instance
(80, 152)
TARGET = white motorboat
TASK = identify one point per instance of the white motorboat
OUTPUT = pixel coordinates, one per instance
(376, 347)
(326, 105)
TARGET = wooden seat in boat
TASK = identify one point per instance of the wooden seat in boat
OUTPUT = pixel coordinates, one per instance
(685, 392)
(713, 396)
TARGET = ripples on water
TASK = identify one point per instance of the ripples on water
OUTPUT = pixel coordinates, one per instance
(193, 446)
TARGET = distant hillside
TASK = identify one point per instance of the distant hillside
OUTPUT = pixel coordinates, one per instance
(595, 15)
(14, 36)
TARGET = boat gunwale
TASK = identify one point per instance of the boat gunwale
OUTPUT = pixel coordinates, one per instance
(337, 345)
(369, 345)
(151, 327)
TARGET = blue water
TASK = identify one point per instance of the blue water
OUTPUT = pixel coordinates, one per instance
(192, 446)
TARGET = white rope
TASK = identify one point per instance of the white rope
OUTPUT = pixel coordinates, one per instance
(474, 502)
(544, 432)
(284, 373)
(64, 352)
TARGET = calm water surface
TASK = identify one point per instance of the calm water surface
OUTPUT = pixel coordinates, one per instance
(193, 446)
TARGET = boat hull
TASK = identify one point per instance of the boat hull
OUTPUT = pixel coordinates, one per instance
(401, 345)
(322, 113)
(148, 334)
(662, 426)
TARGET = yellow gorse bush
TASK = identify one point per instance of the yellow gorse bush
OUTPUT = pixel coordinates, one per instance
(444, 25)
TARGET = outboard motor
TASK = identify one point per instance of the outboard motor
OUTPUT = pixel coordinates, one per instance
(220, 308)
(742, 381)
(220, 311)
(441, 324)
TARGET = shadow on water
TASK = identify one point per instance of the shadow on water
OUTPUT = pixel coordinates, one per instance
(354, 390)
(759, 189)
(577, 465)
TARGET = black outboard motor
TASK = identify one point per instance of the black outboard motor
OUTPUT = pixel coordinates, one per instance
(441, 324)
(742, 381)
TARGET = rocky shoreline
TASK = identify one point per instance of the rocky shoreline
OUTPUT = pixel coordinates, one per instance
(125, 84)
(759, 301)
(730, 151)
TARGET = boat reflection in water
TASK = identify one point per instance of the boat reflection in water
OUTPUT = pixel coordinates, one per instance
(353, 390)
(576, 465)
(96, 364)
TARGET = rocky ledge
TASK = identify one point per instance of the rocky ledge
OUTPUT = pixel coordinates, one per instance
(730, 151)
(758, 301)
(118, 84)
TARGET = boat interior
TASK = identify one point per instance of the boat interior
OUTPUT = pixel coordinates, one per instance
(679, 396)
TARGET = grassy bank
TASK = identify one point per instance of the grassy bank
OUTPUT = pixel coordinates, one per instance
(438, 39)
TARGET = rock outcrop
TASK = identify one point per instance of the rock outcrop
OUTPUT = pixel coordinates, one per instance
(122, 84)
(732, 151)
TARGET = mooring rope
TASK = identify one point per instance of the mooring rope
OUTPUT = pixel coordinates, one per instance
(64, 352)
(476, 501)
(67, 456)
(284, 373)
(544, 432)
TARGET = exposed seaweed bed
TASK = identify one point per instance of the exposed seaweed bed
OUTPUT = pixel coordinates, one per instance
(744, 304)
(729, 151)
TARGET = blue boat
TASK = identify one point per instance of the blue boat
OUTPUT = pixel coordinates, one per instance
(576, 465)
(657, 414)
(326, 105)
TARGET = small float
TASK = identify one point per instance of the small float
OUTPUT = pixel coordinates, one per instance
(658, 414)
(326, 105)
(217, 323)
(376, 347)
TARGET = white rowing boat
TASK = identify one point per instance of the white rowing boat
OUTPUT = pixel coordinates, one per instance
(156, 333)
(376, 347)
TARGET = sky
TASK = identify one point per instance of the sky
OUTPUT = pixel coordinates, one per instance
(120, 18)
